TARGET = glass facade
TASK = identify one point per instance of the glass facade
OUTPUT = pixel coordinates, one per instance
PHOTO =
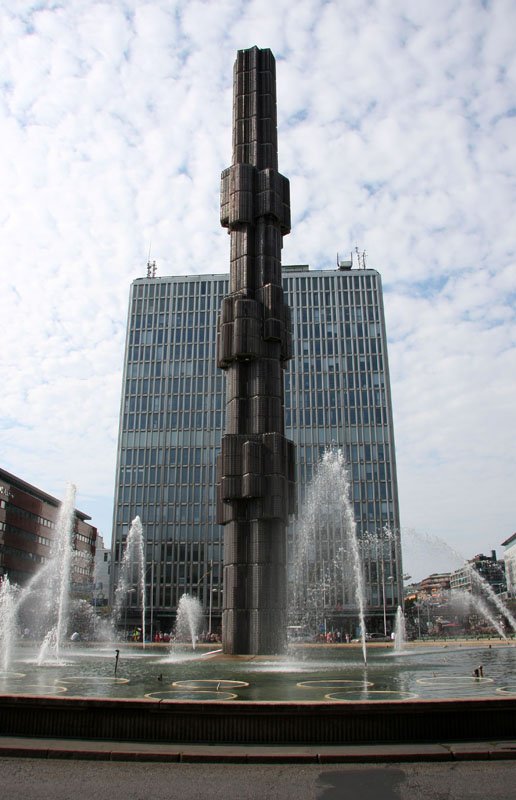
(337, 394)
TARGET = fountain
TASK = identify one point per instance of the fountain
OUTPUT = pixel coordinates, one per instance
(482, 607)
(419, 548)
(44, 605)
(306, 672)
(57, 573)
(484, 586)
(45, 599)
(400, 634)
(327, 508)
(132, 572)
(320, 675)
(318, 693)
(469, 603)
(8, 598)
(188, 622)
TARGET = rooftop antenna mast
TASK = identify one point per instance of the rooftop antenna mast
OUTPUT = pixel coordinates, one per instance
(361, 258)
(151, 266)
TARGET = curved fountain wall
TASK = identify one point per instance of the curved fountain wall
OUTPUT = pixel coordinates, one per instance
(275, 723)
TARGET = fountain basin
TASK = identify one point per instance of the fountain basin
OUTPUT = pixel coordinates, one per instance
(307, 673)
(319, 694)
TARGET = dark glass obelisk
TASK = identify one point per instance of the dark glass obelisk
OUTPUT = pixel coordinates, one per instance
(256, 472)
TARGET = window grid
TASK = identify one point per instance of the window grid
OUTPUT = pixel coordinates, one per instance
(336, 394)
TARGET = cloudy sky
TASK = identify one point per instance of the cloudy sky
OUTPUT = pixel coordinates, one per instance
(397, 132)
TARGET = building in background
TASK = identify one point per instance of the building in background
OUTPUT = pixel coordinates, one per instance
(434, 588)
(102, 575)
(28, 519)
(427, 605)
(509, 558)
(490, 569)
(337, 395)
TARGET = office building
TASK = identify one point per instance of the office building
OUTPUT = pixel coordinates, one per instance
(509, 558)
(28, 519)
(102, 574)
(490, 569)
(337, 394)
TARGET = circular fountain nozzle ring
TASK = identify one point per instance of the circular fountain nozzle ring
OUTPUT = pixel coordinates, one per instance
(203, 683)
(94, 679)
(335, 684)
(41, 689)
(375, 696)
(450, 680)
(193, 694)
(510, 690)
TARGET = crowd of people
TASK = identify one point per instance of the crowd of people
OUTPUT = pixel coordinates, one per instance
(162, 637)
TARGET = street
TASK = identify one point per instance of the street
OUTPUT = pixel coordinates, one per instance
(42, 779)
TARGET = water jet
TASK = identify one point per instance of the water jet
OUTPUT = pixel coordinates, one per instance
(189, 617)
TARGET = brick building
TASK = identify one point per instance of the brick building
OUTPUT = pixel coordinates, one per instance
(28, 519)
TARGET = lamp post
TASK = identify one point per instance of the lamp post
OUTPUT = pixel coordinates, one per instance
(151, 604)
(211, 597)
(196, 586)
(128, 592)
(144, 603)
(423, 602)
(390, 579)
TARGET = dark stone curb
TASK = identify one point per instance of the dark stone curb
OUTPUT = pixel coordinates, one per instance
(98, 751)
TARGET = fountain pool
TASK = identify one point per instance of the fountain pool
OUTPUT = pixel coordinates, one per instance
(311, 673)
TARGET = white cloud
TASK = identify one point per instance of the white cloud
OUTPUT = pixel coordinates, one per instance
(396, 130)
